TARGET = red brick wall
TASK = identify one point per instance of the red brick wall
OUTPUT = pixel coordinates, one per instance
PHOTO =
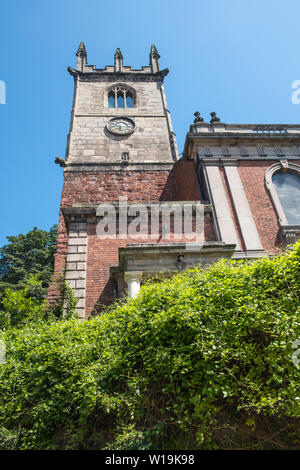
(252, 174)
(187, 181)
(253, 178)
(188, 190)
(96, 187)
(102, 254)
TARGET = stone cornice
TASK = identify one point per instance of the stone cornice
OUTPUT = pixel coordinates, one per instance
(213, 161)
(89, 210)
(261, 129)
(234, 138)
(153, 258)
(152, 248)
(130, 114)
(240, 134)
(109, 166)
(113, 76)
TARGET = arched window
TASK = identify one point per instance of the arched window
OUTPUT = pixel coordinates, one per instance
(120, 97)
(111, 99)
(129, 100)
(283, 182)
(287, 185)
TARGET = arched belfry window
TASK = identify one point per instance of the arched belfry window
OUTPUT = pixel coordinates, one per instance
(120, 97)
(283, 182)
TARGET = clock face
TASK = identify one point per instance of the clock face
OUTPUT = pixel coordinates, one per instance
(121, 125)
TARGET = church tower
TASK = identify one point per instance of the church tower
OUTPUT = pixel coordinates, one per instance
(120, 114)
(122, 157)
(121, 143)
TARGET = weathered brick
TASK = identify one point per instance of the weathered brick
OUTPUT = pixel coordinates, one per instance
(81, 266)
(77, 241)
(72, 283)
(71, 266)
(79, 293)
(72, 249)
(72, 275)
(80, 283)
(76, 257)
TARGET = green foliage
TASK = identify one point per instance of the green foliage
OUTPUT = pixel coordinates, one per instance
(65, 305)
(28, 254)
(201, 360)
(21, 306)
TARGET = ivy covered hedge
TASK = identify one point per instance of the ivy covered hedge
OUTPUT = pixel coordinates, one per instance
(201, 360)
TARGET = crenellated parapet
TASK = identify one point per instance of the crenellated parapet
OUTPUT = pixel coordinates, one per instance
(152, 70)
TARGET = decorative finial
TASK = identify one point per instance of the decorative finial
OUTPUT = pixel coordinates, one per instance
(81, 57)
(198, 118)
(118, 54)
(154, 52)
(214, 118)
(154, 59)
(118, 60)
(81, 50)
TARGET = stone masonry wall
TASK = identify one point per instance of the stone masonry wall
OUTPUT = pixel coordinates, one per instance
(81, 245)
(94, 187)
(91, 142)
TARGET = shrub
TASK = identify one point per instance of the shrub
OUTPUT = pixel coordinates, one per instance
(25, 255)
(201, 360)
(22, 307)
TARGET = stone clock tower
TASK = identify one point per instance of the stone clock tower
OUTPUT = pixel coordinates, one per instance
(121, 143)
(120, 114)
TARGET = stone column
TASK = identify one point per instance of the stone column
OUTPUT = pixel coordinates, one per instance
(222, 209)
(76, 263)
(133, 280)
(242, 208)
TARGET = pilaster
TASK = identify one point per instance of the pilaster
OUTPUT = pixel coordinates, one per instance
(219, 200)
(244, 215)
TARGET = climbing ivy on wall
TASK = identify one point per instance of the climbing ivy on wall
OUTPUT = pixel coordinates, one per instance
(202, 360)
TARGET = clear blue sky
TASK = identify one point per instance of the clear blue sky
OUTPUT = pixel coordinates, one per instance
(236, 57)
